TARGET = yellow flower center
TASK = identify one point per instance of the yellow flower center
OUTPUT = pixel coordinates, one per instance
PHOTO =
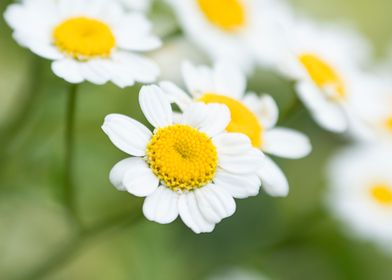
(182, 157)
(382, 194)
(228, 15)
(388, 124)
(242, 119)
(323, 74)
(83, 37)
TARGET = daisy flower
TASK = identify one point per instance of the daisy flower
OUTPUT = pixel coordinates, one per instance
(233, 30)
(93, 41)
(324, 60)
(251, 115)
(360, 194)
(189, 167)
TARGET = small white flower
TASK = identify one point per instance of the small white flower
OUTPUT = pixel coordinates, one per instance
(251, 115)
(239, 31)
(190, 168)
(93, 41)
(360, 194)
(324, 60)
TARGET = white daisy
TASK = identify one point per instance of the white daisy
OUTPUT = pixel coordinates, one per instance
(251, 115)
(233, 30)
(372, 107)
(324, 60)
(361, 192)
(190, 168)
(93, 41)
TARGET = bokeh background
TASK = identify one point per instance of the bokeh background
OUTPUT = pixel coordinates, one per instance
(287, 238)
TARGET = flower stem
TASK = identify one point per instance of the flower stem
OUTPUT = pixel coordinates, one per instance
(292, 110)
(69, 187)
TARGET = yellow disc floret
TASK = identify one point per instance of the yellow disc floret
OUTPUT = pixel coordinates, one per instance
(242, 119)
(228, 15)
(323, 74)
(182, 157)
(382, 194)
(388, 124)
(83, 38)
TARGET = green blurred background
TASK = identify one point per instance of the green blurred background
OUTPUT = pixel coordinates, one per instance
(287, 238)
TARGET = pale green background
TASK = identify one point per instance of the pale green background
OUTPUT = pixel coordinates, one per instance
(289, 239)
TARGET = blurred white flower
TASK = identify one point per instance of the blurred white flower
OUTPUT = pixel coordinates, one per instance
(93, 41)
(240, 31)
(251, 115)
(372, 106)
(325, 61)
(138, 5)
(190, 168)
(360, 194)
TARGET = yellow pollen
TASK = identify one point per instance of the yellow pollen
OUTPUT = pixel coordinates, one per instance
(388, 124)
(382, 194)
(182, 157)
(242, 119)
(228, 15)
(83, 38)
(323, 74)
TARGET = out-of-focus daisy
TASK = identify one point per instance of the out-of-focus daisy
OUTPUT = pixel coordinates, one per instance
(93, 41)
(233, 29)
(189, 167)
(372, 107)
(251, 115)
(361, 192)
(324, 60)
(138, 5)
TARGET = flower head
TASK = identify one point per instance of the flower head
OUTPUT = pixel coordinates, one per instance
(188, 167)
(251, 115)
(95, 41)
(240, 31)
(360, 193)
(325, 62)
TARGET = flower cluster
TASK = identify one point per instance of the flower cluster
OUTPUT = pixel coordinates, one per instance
(213, 147)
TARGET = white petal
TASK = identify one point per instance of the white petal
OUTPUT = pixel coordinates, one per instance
(242, 163)
(272, 178)
(264, 107)
(161, 206)
(143, 69)
(229, 80)
(127, 134)
(69, 70)
(198, 80)
(239, 186)
(217, 119)
(139, 179)
(191, 215)
(232, 143)
(134, 176)
(215, 203)
(47, 51)
(286, 143)
(176, 95)
(155, 106)
(92, 73)
(327, 114)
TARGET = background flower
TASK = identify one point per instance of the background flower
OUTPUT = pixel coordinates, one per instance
(361, 192)
(95, 41)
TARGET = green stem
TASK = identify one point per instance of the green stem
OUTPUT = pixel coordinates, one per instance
(295, 107)
(69, 187)
(75, 245)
